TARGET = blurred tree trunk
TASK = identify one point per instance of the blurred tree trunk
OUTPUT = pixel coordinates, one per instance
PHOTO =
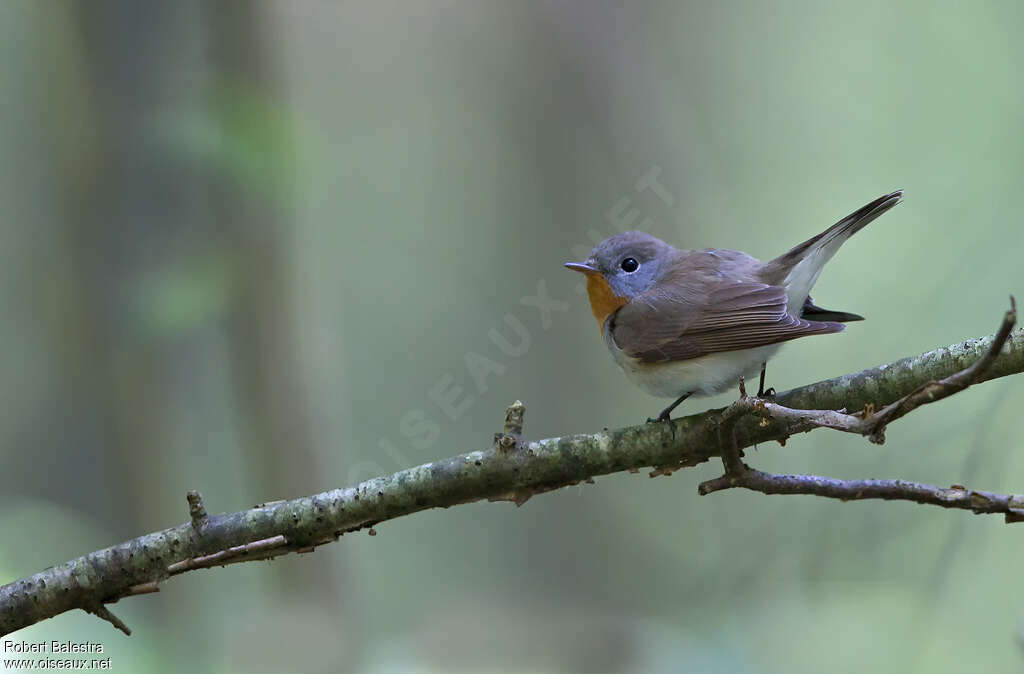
(137, 210)
(127, 210)
(271, 395)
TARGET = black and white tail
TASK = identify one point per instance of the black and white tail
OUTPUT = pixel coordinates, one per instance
(798, 268)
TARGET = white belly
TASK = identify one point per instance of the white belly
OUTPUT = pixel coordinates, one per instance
(702, 376)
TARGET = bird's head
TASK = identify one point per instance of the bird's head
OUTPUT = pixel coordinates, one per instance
(620, 268)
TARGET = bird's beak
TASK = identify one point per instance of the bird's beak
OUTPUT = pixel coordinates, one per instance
(582, 267)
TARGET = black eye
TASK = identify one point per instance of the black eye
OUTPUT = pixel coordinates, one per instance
(630, 265)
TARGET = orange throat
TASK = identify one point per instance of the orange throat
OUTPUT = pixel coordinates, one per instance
(603, 302)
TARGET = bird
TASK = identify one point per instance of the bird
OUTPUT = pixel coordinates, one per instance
(684, 323)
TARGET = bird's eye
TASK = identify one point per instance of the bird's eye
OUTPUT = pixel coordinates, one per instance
(630, 265)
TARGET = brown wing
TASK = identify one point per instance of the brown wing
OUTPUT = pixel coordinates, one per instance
(676, 321)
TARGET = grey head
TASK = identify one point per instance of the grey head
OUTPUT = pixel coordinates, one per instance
(630, 262)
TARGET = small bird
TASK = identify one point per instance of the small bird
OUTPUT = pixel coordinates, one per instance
(692, 322)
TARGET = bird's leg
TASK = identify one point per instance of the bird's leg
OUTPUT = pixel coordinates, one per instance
(761, 393)
(664, 416)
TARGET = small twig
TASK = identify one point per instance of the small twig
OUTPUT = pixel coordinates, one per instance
(957, 496)
(514, 418)
(731, 454)
(511, 436)
(250, 551)
(142, 588)
(196, 509)
(872, 425)
(101, 611)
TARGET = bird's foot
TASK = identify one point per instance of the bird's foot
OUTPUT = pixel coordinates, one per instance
(761, 392)
(664, 416)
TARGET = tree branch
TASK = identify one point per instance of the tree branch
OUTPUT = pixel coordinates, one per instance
(512, 469)
(872, 425)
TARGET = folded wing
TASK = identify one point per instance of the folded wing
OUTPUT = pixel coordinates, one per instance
(679, 322)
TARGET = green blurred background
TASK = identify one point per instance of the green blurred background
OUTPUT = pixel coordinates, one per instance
(242, 240)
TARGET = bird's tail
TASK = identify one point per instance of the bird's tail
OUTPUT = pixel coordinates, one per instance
(799, 267)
